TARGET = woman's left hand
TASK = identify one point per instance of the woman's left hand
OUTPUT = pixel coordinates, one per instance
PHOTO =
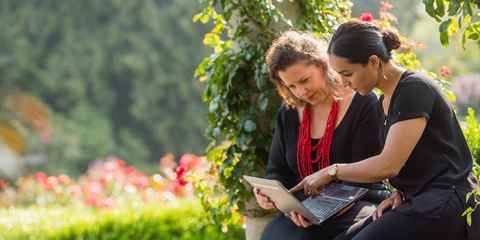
(314, 185)
(299, 220)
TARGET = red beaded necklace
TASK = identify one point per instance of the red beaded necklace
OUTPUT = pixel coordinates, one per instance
(304, 148)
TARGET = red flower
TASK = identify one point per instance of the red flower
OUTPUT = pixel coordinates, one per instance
(3, 184)
(64, 179)
(180, 172)
(445, 71)
(51, 182)
(41, 177)
(121, 163)
(130, 170)
(367, 17)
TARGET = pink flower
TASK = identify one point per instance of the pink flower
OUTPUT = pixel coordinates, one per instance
(45, 138)
(95, 188)
(93, 200)
(367, 17)
(141, 181)
(190, 161)
(75, 190)
(108, 203)
(111, 166)
(173, 186)
(51, 182)
(64, 179)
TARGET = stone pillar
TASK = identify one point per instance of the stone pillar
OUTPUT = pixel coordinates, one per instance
(255, 227)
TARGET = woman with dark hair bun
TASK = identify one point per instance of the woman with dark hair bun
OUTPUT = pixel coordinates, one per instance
(321, 123)
(424, 153)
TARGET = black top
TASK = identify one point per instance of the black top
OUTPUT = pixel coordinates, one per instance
(441, 162)
(354, 139)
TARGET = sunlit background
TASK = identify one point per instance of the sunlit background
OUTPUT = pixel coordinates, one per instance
(106, 90)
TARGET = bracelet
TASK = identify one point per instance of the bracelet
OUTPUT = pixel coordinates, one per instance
(401, 193)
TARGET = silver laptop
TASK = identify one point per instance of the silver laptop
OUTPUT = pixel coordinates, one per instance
(334, 199)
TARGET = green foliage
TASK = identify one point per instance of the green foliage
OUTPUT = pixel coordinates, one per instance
(243, 102)
(472, 134)
(173, 220)
(455, 14)
(131, 62)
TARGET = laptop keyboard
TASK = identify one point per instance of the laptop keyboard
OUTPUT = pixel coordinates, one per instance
(323, 207)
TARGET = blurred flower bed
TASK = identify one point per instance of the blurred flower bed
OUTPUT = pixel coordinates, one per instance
(106, 184)
(108, 187)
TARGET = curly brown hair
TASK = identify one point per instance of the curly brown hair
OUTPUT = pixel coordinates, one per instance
(295, 46)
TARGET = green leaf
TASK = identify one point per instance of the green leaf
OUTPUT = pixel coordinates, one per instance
(216, 132)
(475, 17)
(474, 36)
(468, 196)
(213, 107)
(451, 96)
(300, 21)
(250, 126)
(444, 26)
(240, 139)
(469, 210)
(197, 16)
(204, 19)
(467, 8)
(430, 9)
(469, 219)
(464, 39)
(444, 39)
(440, 11)
(454, 10)
(264, 104)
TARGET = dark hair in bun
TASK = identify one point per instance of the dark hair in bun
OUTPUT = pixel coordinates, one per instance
(358, 40)
(391, 40)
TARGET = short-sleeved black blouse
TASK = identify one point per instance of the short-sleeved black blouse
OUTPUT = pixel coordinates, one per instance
(441, 162)
(354, 139)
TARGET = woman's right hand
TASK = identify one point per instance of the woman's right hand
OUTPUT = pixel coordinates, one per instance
(263, 200)
(390, 203)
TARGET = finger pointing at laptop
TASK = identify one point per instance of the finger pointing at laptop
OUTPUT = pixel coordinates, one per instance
(313, 185)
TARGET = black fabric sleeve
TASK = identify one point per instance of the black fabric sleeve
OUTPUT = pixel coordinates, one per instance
(365, 141)
(278, 168)
(413, 99)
